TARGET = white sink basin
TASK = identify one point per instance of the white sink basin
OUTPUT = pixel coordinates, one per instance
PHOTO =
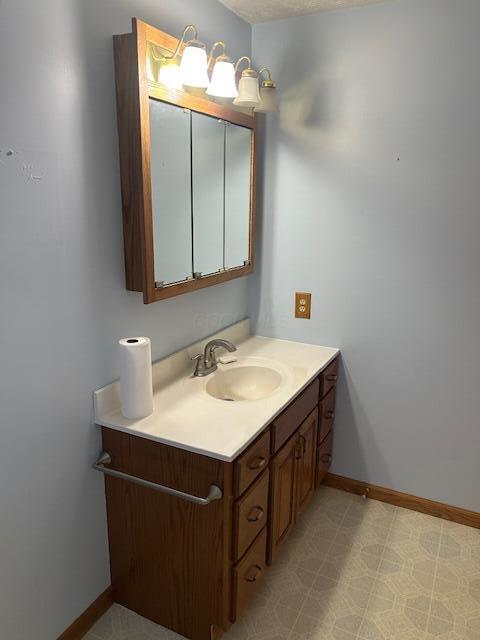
(244, 383)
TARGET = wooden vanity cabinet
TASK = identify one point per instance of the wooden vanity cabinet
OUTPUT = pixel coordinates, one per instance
(194, 568)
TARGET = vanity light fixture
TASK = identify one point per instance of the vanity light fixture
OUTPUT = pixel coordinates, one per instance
(222, 84)
(190, 69)
(268, 93)
(248, 94)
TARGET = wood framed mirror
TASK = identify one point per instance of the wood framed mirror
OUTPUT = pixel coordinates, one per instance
(187, 173)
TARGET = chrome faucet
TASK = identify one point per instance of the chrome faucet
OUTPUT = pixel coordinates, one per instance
(207, 361)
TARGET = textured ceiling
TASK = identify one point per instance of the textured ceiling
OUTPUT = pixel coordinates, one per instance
(262, 10)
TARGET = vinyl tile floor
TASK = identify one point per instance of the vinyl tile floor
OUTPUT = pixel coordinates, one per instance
(353, 570)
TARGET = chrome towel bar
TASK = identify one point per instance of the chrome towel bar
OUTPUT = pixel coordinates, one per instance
(215, 493)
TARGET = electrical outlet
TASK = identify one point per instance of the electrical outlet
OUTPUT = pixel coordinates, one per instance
(303, 305)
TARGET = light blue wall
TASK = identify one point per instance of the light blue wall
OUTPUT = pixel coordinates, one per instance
(63, 302)
(371, 201)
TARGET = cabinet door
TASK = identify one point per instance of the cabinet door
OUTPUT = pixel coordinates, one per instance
(283, 495)
(238, 180)
(171, 201)
(208, 142)
(306, 463)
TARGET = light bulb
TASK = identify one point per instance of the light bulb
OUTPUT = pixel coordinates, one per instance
(194, 65)
(222, 84)
(169, 73)
(248, 94)
(268, 96)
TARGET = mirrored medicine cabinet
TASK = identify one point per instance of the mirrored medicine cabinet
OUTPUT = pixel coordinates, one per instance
(188, 177)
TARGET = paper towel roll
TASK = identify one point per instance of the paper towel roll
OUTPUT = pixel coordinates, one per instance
(136, 387)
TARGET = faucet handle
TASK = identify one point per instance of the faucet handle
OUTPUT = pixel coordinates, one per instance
(200, 363)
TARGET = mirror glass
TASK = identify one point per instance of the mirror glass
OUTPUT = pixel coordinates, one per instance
(208, 139)
(238, 142)
(201, 191)
(171, 187)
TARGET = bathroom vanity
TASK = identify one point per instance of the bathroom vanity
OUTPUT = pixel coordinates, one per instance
(202, 494)
(250, 467)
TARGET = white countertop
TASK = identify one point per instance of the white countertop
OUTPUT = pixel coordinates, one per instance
(186, 416)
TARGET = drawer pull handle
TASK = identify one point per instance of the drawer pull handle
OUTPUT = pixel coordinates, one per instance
(257, 463)
(253, 577)
(330, 414)
(214, 493)
(326, 457)
(255, 514)
(332, 377)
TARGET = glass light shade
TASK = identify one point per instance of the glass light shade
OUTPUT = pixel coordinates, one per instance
(222, 84)
(268, 96)
(194, 65)
(169, 73)
(248, 94)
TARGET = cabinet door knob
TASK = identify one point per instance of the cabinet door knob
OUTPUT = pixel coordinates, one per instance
(304, 445)
(332, 377)
(326, 457)
(255, 514)
(330, 414)
(254, 574)
(298, 450)
(300, 447)
(257, 463)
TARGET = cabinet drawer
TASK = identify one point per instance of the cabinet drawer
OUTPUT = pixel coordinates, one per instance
(324, 458)
(251, 463)
(248, 574)
(293, 416)
(329, 377)
(327, 415)
(251, 512)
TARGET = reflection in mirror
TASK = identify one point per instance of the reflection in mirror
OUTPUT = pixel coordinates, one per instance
(171, 185)
(207, 196)
(237, 194)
